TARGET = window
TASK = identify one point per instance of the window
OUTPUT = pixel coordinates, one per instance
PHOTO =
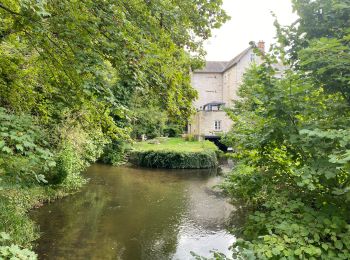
(217, 125)
(252, 57)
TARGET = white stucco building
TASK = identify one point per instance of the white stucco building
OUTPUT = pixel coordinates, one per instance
(217, 86)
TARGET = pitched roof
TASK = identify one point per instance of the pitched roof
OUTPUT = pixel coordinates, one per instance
(214, 66)
(222, 66)
(236, 59)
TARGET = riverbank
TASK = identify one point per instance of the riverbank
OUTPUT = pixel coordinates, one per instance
(174, 153)
(18, 230)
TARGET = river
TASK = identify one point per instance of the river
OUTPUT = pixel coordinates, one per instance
(133, 213)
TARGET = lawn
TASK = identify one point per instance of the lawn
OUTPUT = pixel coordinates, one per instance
(175, 145)
(174, 153)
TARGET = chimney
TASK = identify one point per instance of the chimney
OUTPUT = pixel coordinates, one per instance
(261, 46)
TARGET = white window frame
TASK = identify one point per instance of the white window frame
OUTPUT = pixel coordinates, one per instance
(252, 57)
(217, 125)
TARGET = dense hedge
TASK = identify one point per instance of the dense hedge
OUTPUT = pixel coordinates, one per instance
(174, 159)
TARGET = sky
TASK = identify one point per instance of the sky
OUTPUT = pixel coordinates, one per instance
(251, 20)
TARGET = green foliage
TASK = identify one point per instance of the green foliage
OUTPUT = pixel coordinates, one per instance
(77, 150)
(173, 130)
(115, 153)
(319, 42)
(175, 153)
(13, 220)
(58, 54)
(291, 142)
(24, 149)
(290, 229)
(148, 121)
(174, 160)
(14, 251)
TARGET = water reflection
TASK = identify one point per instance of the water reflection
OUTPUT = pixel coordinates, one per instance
(132, 213)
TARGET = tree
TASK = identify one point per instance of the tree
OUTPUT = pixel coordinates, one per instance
(98, 51)
(82, 62)
(291, 138)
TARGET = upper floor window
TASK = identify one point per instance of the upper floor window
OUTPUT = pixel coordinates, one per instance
(217, 125)
(252, 57)
(213, 106)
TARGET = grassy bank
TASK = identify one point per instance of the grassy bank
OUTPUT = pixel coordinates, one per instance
(18, 230)
(14, 205)
(174, 153)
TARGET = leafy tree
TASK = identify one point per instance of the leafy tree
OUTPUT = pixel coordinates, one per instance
(291, 138)
(83, 62)
(319, 42)
(98, 52)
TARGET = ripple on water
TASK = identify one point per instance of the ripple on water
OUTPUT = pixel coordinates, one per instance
(132, 213)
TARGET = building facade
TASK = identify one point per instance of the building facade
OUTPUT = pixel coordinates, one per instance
(217, 86)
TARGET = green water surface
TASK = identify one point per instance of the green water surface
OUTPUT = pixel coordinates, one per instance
(133, 213)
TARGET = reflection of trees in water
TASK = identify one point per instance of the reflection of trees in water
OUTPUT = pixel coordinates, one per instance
(135, 214)
(208, 209)
(238, 217)
(71, 228)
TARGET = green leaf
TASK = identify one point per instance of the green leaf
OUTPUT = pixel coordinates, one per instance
(338, 244)
(4, 236)
(19, 147)
(7, 150)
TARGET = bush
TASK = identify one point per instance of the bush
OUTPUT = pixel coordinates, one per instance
(115, 153)
(174, 160)
(13, 251)
(289, 229)
(149, 121)
(172, 130)
(75, 152)
(24, 149)
(291, 142)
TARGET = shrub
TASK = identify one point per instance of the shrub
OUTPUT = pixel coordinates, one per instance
(13, 251)
(115, 153)
(174, 159)
(76, 151)
(289, 229)
(24, 149)
(172, 130)
(149, 121)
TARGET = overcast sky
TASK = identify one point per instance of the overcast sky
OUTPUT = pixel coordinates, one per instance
(251, 20)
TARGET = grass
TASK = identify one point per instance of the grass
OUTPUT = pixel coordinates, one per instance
(174, 153)
(16, 201)
(176, 145)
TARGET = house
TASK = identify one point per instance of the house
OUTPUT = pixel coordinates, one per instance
(217, 86)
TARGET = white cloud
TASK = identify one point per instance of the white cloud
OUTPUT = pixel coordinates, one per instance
(251, 20)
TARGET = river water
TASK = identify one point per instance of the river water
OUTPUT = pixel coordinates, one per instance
(133, 213)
